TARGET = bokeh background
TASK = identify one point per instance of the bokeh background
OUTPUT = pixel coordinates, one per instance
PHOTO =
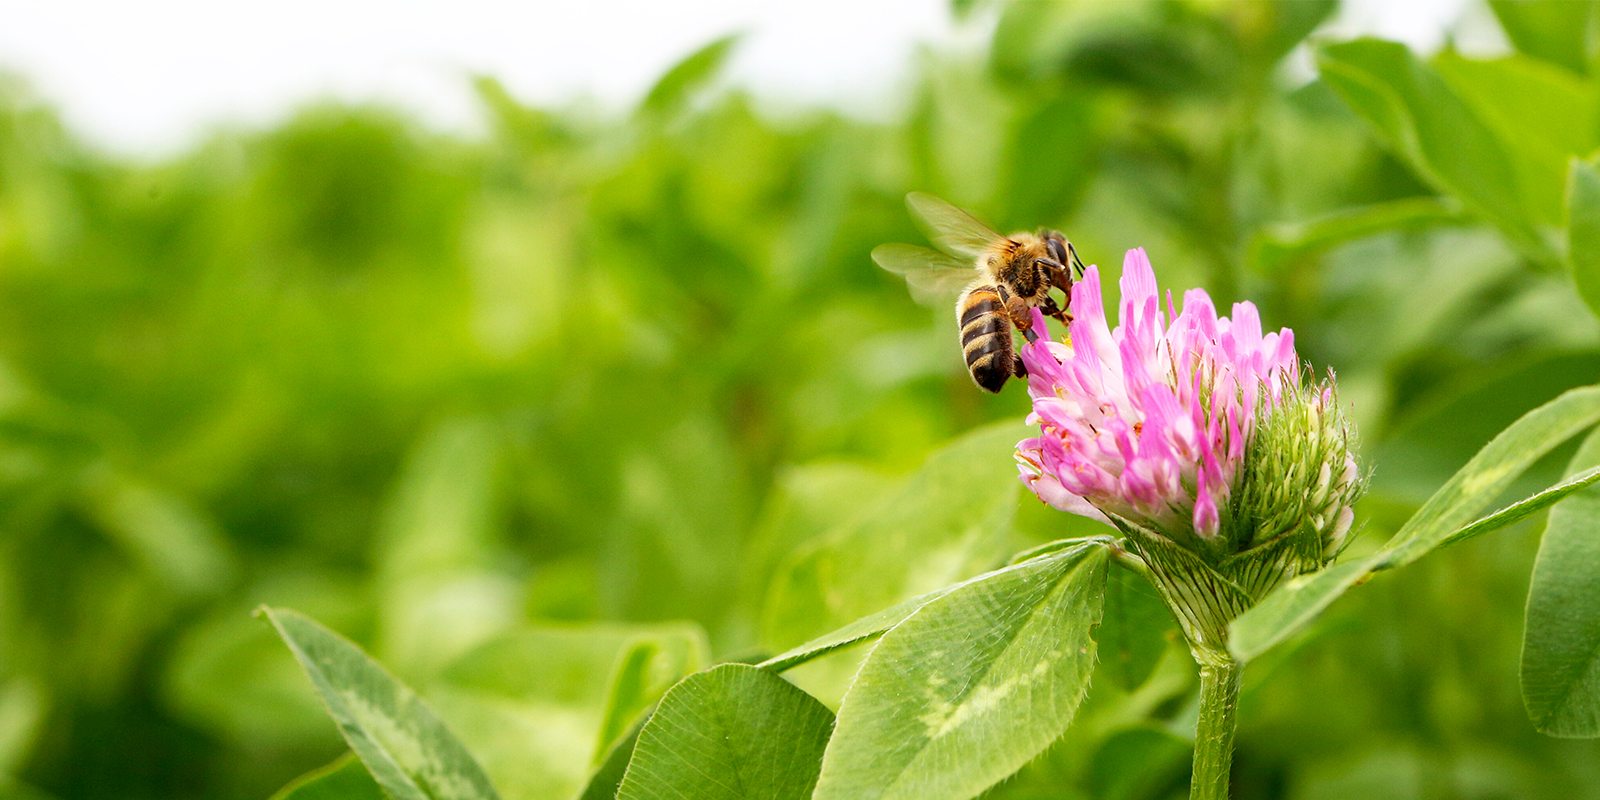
(500, 406)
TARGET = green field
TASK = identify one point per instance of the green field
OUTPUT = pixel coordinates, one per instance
(501, 409)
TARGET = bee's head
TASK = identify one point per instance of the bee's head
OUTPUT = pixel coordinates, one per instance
(1032, 257)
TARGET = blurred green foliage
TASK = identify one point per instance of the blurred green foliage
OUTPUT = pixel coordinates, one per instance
(553, 417)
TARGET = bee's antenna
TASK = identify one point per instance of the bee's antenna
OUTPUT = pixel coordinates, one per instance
(1077, 263)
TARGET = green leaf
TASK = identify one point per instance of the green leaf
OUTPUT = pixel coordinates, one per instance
(631, 686)
(344, 779)
(607, 778)
(162, 530)
(1139, 763)
(1561, 644)
(867, 627)
(1555, 32)
(1298, 601)
(1277, 246)
(1583, 231)
(1032, 40)
(806, 501)
(1136, 629)
(1430, 442)
(1292, 606)
(23, 706)
(688, 76)
(972, 686)
(11, 789)
(1290, 23)
(644, 673)
(874, 625)
(1500, 462)
(1524, 508)
(403, 745)
(733, 732)
(1042, 550)
(225, 674)
(951, 520)
(1417, 114)
(530, 705)
(1042, 189)
(439, 596)
(1543, 114)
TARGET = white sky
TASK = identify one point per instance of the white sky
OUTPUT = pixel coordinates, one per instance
(149, 77)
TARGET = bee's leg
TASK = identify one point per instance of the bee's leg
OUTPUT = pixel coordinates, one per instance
(1061, 279)
(1022, 319)
(1058, 275)
(1050, 309)
(1017, 311)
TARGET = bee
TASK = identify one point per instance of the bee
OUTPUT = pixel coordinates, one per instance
(1000, 279)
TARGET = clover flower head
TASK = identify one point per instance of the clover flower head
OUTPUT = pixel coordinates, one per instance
(1194, 426)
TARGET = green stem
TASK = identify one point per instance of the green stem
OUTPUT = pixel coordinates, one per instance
(1213, 735)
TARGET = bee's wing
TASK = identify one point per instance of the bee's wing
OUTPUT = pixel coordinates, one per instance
(952, 230)
(933, 277)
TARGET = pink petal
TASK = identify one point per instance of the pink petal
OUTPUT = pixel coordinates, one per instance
(1131, 417)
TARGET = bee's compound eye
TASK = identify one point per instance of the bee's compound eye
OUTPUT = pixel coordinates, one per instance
(1056, 250)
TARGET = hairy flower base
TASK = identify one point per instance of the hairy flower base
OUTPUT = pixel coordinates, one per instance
(1206, 594)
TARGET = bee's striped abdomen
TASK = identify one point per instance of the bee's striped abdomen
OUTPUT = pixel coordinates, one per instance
(985, 337)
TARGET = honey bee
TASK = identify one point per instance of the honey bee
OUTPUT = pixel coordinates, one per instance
(999, 277)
